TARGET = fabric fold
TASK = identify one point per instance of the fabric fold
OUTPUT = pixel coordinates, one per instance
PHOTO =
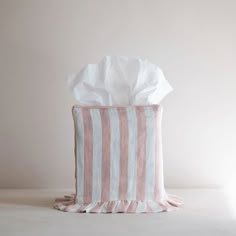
(68, 204)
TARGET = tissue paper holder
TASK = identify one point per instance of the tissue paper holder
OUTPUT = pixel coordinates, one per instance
(118, 159)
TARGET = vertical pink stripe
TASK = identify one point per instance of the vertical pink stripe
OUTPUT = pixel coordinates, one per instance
(141, 155)
(123, 206)
(97, 208)
(111, 206)
(75, 153)
(148, 207)
(106, 136)
(88, 155)
(132, 207)
(123, 181)
(158, 159)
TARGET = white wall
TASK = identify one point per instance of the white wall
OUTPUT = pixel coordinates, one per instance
(42, 41)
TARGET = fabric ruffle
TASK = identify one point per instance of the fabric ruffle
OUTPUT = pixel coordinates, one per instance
(68, 204)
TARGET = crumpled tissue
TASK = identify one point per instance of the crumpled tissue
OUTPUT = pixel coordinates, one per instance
(119, 81)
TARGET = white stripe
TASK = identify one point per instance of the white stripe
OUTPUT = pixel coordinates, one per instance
(115, 154)
(141, 207)
(150, 153)
(132, 159)
(97, 154)
(79, 142)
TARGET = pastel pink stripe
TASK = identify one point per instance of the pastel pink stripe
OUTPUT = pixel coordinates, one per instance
(157, 127)
(98, 207)
(141, 155)
(132, 207)
(148, 208)
(88, 156)
(106, 137)
(111, 206)
(123, 181)
(123, 206)
(75, 153)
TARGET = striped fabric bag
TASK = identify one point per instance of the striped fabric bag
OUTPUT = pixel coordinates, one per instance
(118, 158)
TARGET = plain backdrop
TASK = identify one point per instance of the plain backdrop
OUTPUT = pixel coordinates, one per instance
(42, 41)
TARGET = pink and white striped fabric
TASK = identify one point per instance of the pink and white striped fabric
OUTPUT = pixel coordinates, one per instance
(118, 153)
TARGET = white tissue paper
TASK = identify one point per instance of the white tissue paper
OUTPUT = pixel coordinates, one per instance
(119, 81)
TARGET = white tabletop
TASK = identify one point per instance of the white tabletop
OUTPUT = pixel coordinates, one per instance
(30, 212)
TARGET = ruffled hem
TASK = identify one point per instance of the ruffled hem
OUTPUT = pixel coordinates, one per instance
(68, 204)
